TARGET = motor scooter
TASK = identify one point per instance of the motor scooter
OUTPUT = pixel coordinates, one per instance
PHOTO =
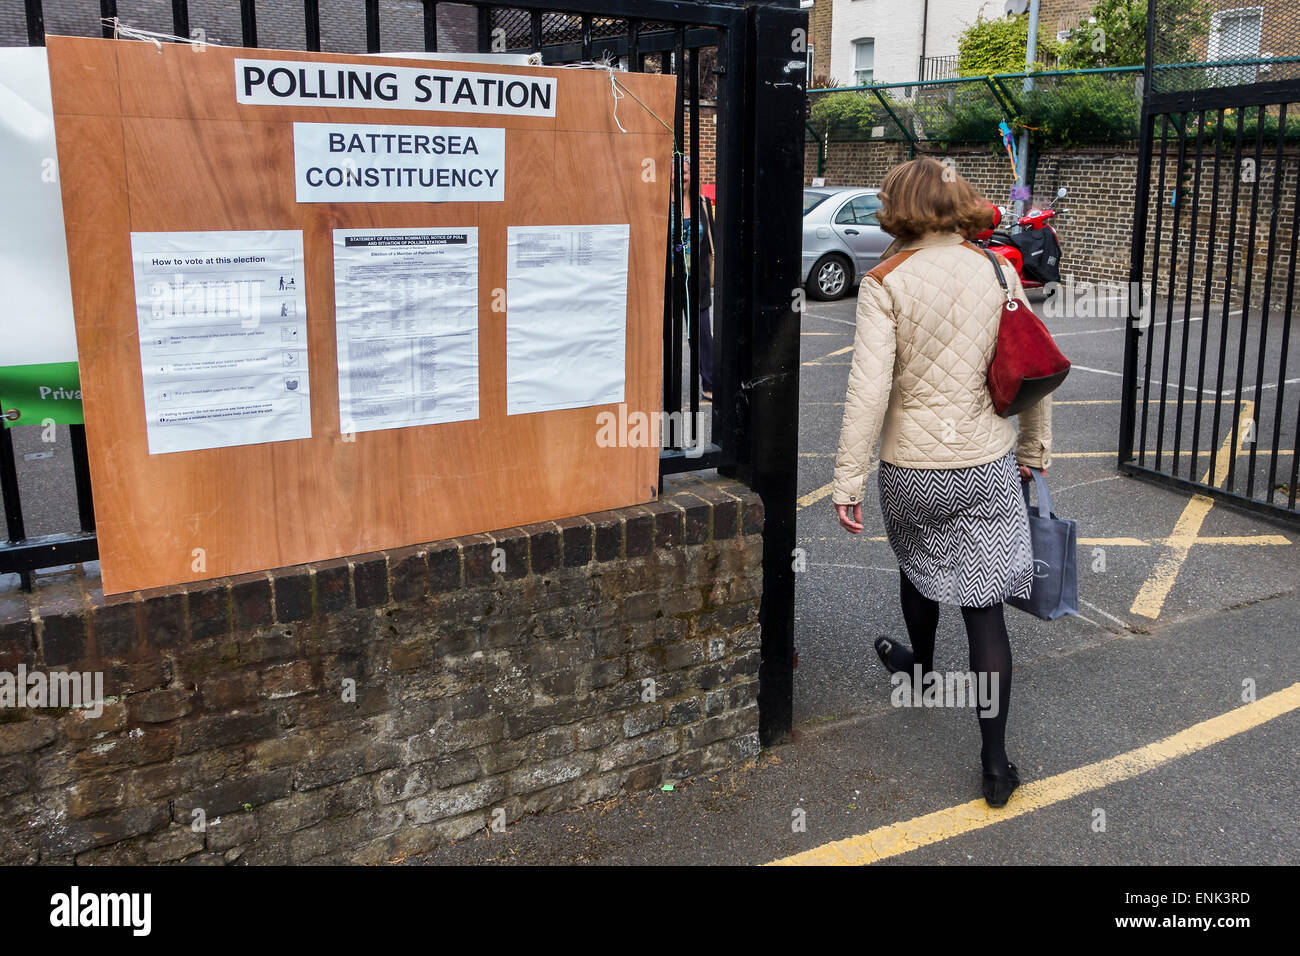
(1035, 251)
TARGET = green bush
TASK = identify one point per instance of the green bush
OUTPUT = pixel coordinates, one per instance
(1079, 110)
(974, 121)
(998, 46)
(852, 116)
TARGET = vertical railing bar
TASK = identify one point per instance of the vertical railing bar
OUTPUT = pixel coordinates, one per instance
(728, 177)
(14, 526)
(248, 22)
(81, 477)
(107, 11)
(431, 26)
(9, 489)
(1187, 300)
(372, 26)
(1227, 300)
(1286, 345)
(535, 25)
(679, 199)
(586, 36)
(485, 29)
(694, 331)
(1155, 282)
(1248, 287)
(1265, 308)
(1211, 245)
(181, 18)
(634, 46)
(35, 24)
(311, 15)
(1179, 201)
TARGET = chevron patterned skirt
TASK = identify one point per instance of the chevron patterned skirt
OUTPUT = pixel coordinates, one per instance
(961, 535)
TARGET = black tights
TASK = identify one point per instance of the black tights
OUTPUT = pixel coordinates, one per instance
(990, 653)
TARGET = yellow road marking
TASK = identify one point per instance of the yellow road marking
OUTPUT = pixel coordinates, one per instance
(815, 496)
(847, 348)
(1165, 454)
(897, 838)
(1151, 598)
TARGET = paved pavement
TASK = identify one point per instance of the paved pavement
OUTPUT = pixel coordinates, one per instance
(1129, 722)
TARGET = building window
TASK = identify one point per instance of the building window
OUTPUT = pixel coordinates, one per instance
(1235, 35)
(864, 61)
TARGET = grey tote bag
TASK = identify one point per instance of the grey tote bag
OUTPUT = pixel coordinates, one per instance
(1056, 572)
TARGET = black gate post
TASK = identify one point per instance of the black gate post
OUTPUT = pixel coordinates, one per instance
(768, 341)
(1137, 263)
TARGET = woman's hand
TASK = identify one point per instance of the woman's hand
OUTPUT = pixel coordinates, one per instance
(850, 517)
(1026, 474)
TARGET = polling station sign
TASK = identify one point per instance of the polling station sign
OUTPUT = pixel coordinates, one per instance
(307, 83)
(336, 162)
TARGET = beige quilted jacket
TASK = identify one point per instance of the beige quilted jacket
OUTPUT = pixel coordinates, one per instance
(926, 325)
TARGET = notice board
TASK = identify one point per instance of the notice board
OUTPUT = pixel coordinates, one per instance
(268, 177)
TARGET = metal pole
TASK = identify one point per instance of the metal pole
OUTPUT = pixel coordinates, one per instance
(1031, 54)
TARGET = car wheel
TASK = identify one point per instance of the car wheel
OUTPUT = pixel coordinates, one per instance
(830, 277)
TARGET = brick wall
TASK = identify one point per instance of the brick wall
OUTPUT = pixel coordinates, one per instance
(519, 688)
(1096, 227)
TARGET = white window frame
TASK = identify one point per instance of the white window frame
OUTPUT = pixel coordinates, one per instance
(858, 45)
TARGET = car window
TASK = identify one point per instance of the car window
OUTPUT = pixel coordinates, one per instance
(865, 208)
(860, 211)
(812, 200)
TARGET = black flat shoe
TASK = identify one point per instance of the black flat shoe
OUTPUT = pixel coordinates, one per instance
(891, 651)
(998, 789)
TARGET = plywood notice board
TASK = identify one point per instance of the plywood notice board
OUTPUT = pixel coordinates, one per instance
(154, 141)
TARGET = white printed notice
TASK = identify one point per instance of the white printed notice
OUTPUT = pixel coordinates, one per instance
(335, 162)
(223, 338)
(406, 307)
(566, 316)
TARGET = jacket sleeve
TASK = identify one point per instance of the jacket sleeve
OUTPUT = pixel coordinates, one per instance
(1034, 444)
(871, 377)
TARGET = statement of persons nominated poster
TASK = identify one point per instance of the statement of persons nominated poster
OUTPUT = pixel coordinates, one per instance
(566, 316)
(406, 315)
(223, 338)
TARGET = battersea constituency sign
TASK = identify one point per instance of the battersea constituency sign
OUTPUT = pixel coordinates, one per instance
(303, 83)
(337, 162)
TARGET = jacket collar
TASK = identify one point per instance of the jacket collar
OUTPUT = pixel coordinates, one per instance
(934, 239)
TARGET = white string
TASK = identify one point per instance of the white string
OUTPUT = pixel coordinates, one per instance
(123, 32)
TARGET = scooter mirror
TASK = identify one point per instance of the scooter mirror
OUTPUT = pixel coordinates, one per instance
(1061, 193)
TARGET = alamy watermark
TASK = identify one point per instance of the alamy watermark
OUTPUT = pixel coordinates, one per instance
(951, 689)
(624, 429)
(73, 690)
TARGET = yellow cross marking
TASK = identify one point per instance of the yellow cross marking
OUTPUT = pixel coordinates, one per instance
(1151, 598)
(905, 836)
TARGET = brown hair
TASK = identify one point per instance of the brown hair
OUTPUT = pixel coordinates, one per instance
(924, 195)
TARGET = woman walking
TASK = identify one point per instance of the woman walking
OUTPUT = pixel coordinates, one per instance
(927, 322)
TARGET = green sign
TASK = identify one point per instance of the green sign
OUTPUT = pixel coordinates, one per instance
(39, 394)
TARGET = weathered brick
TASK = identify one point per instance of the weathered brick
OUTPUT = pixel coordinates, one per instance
(250, 597)
(455, 801)
(578, 541)
(544, 552)
(370, 580)
(163, 619)
(293, 593)
(160, 706)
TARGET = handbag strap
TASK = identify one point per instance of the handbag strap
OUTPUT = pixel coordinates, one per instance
(1044, 496)
(1001, 279)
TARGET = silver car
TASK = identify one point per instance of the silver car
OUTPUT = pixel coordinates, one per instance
(841, 240)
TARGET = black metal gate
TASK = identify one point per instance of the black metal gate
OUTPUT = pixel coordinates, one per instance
(1211, 399)
(748, 56)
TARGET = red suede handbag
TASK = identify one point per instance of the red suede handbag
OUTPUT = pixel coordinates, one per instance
(1026, 363)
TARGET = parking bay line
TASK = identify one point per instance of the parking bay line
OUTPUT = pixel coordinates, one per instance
(897, 838)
